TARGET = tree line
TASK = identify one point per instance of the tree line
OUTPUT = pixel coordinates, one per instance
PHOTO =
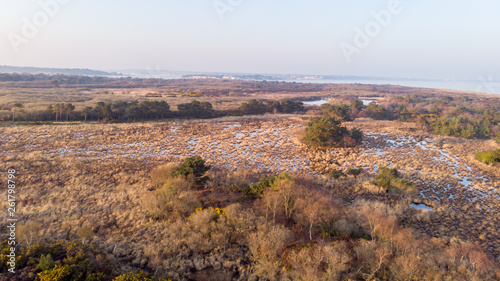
(253, 106)
(132, 111)
(465, 117)
(442, 115)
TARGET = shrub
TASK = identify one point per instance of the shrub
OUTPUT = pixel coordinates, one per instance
(345, 228)
(59, 272)
(341, 112)
(185, 203)
(85, 233)
(401, 185)
(328, 132)
(195, 166)
(373, 110)
(271, 203)
(46, 263)
(324, 132)
(256, 190)
(357, 135)
(390, 180)
(153, 95)
(161, 174)
(67, 261)
(354, 172)
(233, 180)
(288, 190)
(171, 201)
(357, 104)
(290, 106)
(337, 174)
(383, 179)
(196, 109)
(253, 106)
(266, 245)
(319, 262)
(208, 229)
(489, 157)
(315, 210)
(28, 233)
(240, 223)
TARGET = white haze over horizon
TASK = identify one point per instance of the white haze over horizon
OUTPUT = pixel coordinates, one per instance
(446, 39)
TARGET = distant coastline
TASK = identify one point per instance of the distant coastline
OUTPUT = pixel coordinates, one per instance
(474, 86)
(481, 85)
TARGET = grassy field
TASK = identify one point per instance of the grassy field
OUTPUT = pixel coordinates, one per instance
(103, 176)
(222, 94)
(111, 186)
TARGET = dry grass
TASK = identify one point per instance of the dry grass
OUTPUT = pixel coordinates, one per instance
(223, 95)
(99, 175)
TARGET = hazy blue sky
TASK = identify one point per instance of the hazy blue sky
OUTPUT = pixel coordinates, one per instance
(427, 39)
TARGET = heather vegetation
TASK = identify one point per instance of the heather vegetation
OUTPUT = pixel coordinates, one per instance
(390, 180)
(116, 99)
(287, 228)
(272, 190)
(60, 261)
